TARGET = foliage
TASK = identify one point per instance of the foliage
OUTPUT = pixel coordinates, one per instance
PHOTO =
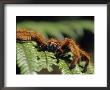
(73, 29)
(30, 60)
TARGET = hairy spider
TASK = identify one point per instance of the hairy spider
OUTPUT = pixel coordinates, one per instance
(57, 46)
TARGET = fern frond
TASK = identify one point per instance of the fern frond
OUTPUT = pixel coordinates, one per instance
(30, 60)
(22, 60)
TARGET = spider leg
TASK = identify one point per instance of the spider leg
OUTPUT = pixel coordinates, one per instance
(28, 35)
(74, 49)
(40, 39)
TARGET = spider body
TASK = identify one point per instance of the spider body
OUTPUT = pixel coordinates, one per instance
(57, 46)
(54, 45)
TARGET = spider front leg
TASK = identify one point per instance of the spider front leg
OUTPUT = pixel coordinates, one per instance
(70, 45)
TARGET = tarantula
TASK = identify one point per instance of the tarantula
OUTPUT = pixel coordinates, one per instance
(57, 46)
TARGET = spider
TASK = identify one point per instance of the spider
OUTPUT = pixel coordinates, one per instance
(59, 47)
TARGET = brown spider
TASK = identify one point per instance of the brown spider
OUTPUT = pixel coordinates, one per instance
(57, 46)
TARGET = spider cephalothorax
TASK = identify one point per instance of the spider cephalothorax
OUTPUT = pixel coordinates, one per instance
(54, 45)
(59, 47)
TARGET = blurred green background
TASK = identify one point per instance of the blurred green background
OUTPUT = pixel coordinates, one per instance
(80, 28)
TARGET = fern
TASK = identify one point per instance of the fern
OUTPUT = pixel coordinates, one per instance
(31, 60)
(22, 60)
